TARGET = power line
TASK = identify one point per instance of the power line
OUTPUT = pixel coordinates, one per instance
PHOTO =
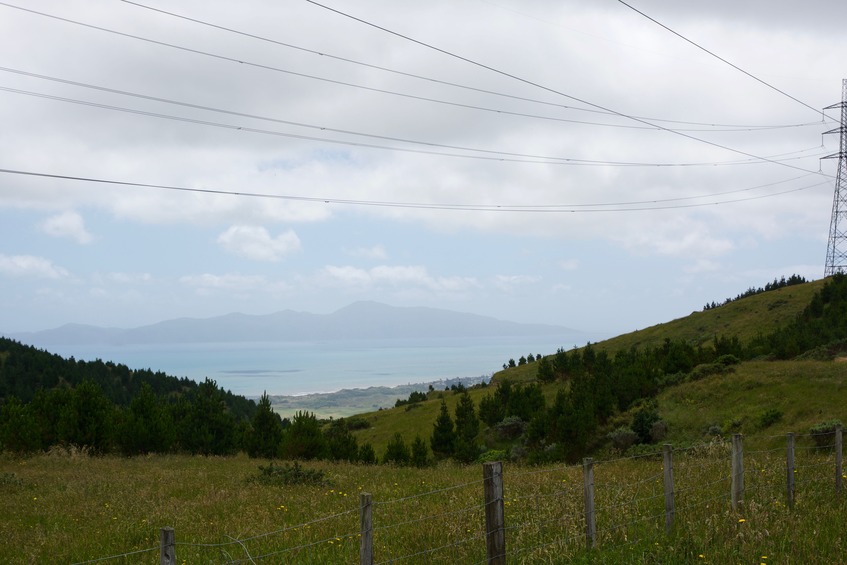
(546, 88)
(562, 208)
(469, 106)
(711, 126)
(718, 57)
(483, 154)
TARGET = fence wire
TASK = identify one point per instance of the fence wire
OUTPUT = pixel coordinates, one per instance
(545, 512)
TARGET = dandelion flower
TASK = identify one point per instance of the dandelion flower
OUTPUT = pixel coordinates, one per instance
(741, 520)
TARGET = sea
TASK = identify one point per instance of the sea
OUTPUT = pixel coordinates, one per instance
(298, 368)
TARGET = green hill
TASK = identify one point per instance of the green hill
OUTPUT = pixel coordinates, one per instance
(753, 397)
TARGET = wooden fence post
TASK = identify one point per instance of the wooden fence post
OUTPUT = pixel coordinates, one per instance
(590, 517)
(667, 453)
(737, 471)
(789, 471)
(366, 543)
(839, 471)
(495, 526)
(167, 546)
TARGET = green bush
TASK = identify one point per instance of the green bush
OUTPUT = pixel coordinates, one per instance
(357, 423)
(493, 455)
(824, 432)
(727, 360)
(769, 417)
(286, 474)
(643, 420)
(510, 428)
(623, 438)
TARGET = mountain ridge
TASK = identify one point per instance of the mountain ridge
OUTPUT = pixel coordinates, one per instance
(358, 320)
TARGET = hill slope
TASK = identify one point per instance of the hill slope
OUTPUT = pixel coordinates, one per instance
(753, 397)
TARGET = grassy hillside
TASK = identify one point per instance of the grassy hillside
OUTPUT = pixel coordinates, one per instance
(744, 318)
(797, 394)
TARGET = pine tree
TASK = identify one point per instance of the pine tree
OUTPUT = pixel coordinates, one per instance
(545, 371)
(420, 452)
(467, 428)
(443, 437)
(397, 451)
(265, 432)
(303, 438)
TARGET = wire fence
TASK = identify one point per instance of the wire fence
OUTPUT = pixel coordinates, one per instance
(544, 515)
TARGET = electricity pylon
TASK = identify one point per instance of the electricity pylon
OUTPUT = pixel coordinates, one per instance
(836, 249)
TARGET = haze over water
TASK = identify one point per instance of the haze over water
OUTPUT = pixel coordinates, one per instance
(294, 368)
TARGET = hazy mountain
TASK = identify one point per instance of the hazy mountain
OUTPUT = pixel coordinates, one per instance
(358, 320)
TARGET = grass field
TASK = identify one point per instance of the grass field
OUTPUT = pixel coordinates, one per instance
(70, 508)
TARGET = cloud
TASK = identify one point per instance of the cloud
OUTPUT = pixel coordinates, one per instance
(237, 282)
(398, 277)
(130, 278)
(67, 224)
(377, 252)
(702, 266)
(30, 266)
(254, 242)
(569, 264)
(509, 282)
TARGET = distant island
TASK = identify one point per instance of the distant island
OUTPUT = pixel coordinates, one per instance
(360, 320)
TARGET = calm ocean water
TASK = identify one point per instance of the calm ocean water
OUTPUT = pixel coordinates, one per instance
(293, 368)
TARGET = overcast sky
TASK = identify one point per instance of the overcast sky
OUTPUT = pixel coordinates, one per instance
(567, 162)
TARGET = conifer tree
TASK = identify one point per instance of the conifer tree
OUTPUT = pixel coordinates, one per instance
(443, 437)
(397, 451)
(265, 432)
(467, 428)
(420, 452)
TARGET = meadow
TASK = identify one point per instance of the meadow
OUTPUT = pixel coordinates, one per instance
(65, 506)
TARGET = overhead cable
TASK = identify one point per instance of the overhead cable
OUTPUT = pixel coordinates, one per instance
(564, 208)
(711, 126)
(469, 106)
(475, 153)
(719, 58)
(549, 89)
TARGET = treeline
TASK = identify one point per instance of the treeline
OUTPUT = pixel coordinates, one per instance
(26, 370)
(197, 421)
(776, 284)
(46, 400)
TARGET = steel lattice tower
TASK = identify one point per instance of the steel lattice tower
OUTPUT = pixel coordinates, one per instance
(836, 249)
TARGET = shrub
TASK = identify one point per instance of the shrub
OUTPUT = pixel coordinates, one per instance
(733, 426)
(623, 438)
(289, 475)
(705, 370)
(510, 428)
(367, 455)
(643, 420)
(769, 417)
(824, 432)
(727, 360)
(357, 423)
(658, 431)
(492, 455)
(715, 430)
